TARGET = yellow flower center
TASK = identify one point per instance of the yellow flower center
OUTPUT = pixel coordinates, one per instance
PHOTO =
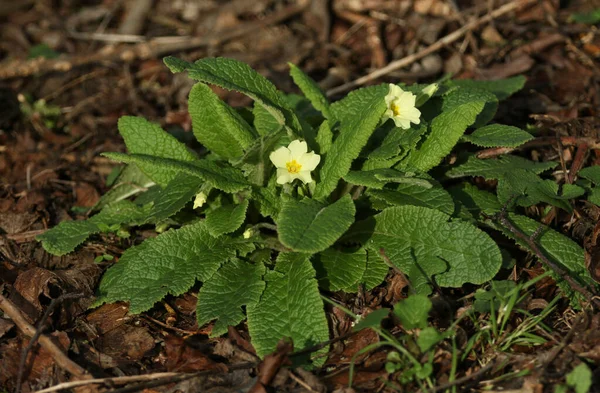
(395, 109)
(293, 166)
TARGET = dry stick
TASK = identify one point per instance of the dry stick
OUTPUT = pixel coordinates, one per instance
(446, 40)
(59, 357)
(146, 50)
(38, 333)
(502, 218)
(160, 378)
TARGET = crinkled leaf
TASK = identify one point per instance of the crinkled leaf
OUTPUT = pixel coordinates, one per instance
(264, 122)
(417, 236)
(498, 135)
(235, 284)
(494, 168)
(592, 173)
(324, 137)
(471, 201)
(413, 311)
(167, 264)
(144, 137)
(581, 377)
(502, 88)
(460, 96)
(355, 131)
(531, 190)
(311, 90)
(446, 130)
(290, 306)
(340, 269)
(268, 201)
(175, 196)
(216, 125)
(226, 219)
(258, 165)
(345, 111)
(560, 249)
(66, 236)
(435, 197)
(378, 178)
(235, 75)
(375, 272)
(398, 142)
(219, 174)
(310, 226)
(130, 181)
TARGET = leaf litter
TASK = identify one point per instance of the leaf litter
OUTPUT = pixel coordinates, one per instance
(50, 164)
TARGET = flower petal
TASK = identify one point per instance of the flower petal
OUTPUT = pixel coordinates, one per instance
(309, 161)
(304, 176)
(297, 148)
(283, 176)
(402, 123)
(280, 157)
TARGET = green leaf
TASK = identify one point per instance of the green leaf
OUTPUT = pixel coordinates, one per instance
(345, 111)
(310, 226)
(581, 378)
(235, 284)
(264, 122)
(226, 219)
(268, 201)
(373, 319)
(235, 75)
(129, 182)
(355, 131)
(560, 249)
(435, 197)
(532, 190)
(167, 264)
(378, 178)
(290, 306)
(311, 90)
(456, 97)
(471, 201)
(324, 137)
(375, 272)
(589, 18)
(144, 137)
(494, 168)
(420, 238)
(428, 337)
(216, 125)
(340, 269)
(446, 130)
(174, 197)
(592, 173)
(66, 236)
(502, 88)
(498, 135)
(413, 311)
(219, 174)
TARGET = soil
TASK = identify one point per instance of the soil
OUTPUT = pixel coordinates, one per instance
(69, 69)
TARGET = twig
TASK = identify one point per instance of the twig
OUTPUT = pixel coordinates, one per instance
(40, 328)
(59, 357)
(446, 40)
(157, 378)
(136, 15)
(502, 218)
(145, 50)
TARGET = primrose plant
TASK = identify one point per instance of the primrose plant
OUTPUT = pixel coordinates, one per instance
(296, 195)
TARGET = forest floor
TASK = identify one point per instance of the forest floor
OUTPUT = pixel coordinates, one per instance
(70, 69)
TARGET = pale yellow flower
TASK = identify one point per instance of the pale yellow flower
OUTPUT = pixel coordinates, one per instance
(248, 233)
(294, 162)
(401, 107)
(199, 200)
